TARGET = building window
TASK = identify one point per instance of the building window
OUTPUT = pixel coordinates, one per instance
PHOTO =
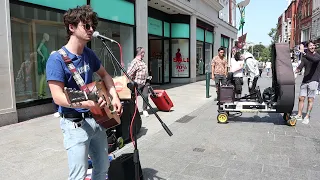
(35, 34)
(208, 56)
(180, 57)
(200, 59)
(225, 44)
(120, 33)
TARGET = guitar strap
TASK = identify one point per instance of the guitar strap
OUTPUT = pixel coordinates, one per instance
(75, 74)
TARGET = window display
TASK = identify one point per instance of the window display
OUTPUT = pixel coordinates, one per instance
(155, 61)
(166, 61)
(180, 57)
(37, 32)
(208, 56)
(200, 60)
(33, 39)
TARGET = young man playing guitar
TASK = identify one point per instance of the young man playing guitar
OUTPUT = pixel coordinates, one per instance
(82, 134)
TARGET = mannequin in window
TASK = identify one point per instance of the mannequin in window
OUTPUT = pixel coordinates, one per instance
(24, 75)
(178, 55)
(42, 58)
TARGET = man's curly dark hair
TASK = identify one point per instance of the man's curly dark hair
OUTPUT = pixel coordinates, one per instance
(84, 14)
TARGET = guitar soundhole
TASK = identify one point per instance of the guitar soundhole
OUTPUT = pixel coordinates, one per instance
(109, 105)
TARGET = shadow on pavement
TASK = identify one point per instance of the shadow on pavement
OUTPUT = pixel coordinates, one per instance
(143, 131)
(156, 110)
(275, 118)
(296, 112)
(168, 86)
(151, 174)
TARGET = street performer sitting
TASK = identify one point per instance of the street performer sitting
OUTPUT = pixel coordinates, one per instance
(252, 68)
(82, 135)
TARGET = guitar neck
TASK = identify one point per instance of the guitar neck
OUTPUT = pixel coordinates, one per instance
(92, 96)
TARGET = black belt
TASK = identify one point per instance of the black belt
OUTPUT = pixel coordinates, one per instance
(77, 115)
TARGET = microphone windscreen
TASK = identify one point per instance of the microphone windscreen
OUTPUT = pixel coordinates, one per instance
(96, 34)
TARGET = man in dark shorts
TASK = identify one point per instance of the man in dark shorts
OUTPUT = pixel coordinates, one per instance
(310, 61)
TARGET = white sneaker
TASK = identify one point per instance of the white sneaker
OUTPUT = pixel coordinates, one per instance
(298, 118)
(305, 121)
(145, 113)
(57, 114)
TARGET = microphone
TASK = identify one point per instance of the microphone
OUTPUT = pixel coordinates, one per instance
(96, 34)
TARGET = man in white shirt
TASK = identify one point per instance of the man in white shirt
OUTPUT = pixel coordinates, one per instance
(294, 67)
(252, 67)
(236, 67)
(268, 67)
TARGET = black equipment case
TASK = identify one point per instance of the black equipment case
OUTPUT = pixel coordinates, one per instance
(226, 94)
(283, 80)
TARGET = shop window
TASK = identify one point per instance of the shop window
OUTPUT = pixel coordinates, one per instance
(180, 57)
(208, 57)
(225, 44)
(34, 31)
(200, 59)
(122, 34)
(33, 40)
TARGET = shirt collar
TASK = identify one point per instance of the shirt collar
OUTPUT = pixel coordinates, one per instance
(71, 55)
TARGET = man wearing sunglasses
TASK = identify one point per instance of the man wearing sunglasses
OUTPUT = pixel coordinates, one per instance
(82, 135)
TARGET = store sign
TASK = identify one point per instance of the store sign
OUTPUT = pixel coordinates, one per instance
(154, 26)
(179, 60)
(181, 67)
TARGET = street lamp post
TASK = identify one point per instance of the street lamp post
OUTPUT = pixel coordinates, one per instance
(241, 5)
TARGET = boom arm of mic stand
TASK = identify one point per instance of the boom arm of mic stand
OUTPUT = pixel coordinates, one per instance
(165, 127)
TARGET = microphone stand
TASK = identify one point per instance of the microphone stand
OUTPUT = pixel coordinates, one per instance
(132, 85)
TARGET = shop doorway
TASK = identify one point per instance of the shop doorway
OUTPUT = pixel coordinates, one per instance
(159, 60)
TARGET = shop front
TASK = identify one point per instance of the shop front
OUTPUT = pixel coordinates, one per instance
(37, 29)
(168, 45)
(158, 43)
(204, 47)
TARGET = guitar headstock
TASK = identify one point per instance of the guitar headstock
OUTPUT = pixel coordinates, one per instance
(76, 96)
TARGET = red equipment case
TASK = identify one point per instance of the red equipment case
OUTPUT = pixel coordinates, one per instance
(161, 99)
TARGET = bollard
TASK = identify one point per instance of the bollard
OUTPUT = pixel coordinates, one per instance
(207, 84)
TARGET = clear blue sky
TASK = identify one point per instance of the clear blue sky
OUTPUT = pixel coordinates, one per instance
(261, 16)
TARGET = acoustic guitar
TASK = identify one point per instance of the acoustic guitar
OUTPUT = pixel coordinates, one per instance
(107, 117)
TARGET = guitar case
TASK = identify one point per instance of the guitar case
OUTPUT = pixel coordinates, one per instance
(283, 81)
